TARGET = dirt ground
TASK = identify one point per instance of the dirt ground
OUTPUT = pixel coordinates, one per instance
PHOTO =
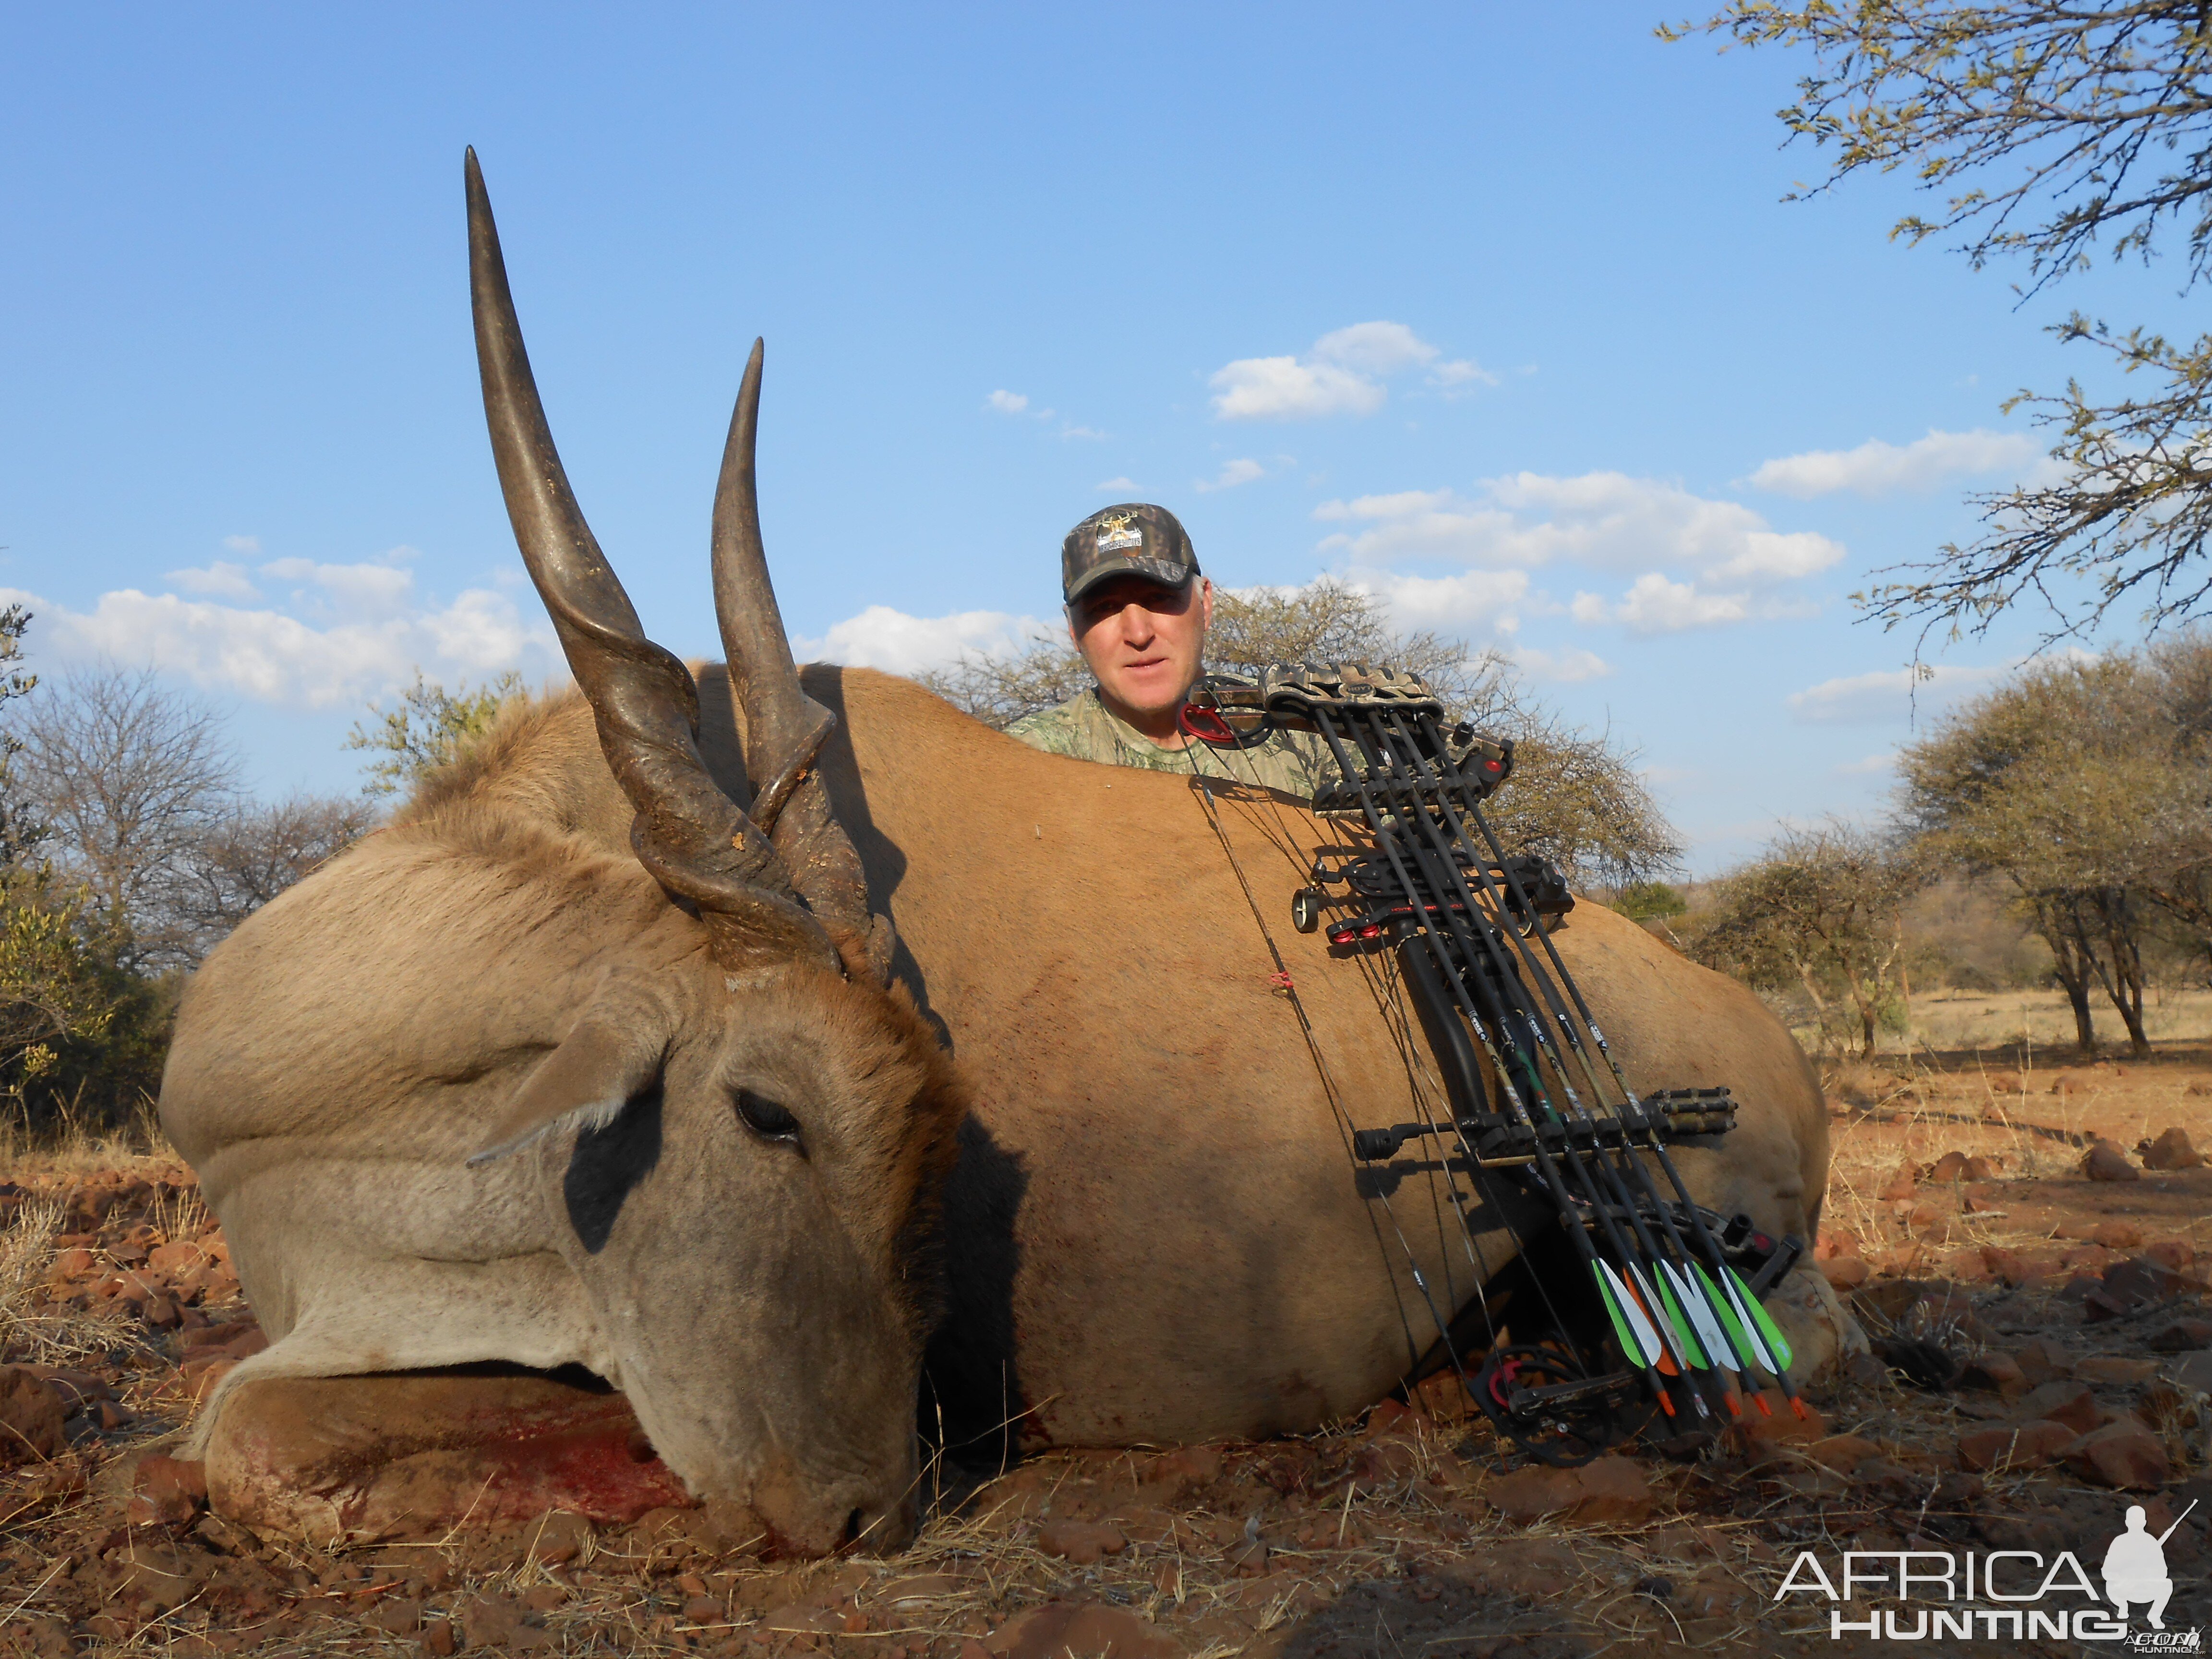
(1998, 1293)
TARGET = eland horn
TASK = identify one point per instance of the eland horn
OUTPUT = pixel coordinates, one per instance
(784, 727)
(696, 841)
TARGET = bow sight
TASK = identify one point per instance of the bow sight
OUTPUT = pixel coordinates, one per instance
(1658, 1306)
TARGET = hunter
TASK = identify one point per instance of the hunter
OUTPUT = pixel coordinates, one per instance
(1138, 609)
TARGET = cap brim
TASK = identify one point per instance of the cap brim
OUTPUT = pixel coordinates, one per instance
(1159, 571)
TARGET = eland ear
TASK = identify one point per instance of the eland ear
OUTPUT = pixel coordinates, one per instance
(607, 1059)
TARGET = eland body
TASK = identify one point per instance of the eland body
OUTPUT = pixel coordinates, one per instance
(730, 1033)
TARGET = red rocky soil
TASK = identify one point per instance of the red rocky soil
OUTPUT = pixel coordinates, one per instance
(2038, 1308)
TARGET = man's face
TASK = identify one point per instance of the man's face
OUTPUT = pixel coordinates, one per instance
(1143, 641)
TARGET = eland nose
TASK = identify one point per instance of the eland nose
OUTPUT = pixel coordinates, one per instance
(810, 1519)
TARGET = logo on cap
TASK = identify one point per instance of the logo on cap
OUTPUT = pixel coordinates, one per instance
(1117, 530)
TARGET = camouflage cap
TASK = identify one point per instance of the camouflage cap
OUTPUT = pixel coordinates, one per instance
(1133, 539)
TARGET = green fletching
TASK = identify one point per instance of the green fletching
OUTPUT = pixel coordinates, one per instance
(1767, 1329)
(1655, 1312)
(1701, 1314)
(1682, 1331)
(1628, 1343)
(1647, 1339)
(1748, 1357)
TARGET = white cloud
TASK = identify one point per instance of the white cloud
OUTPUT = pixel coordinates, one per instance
(1460, 373)
(341, 590)
(881, 637)
(1472, 599)
(275, 658)
(1605, 519)
(1568, 667)
(249, 545)
(1007, 403)
(1654, 604)
(1342, 374)
(1082, 432)
(1375, 349)
(220, 580)
(1236, 473)
(1117, 483)
(1285, 389)
(1865, 765)
(1875, 468)
(1888, 696)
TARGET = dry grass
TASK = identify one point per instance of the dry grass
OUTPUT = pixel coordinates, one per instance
(1357, 1559)
(2033, 1027)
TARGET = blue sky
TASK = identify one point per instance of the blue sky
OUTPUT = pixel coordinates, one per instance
(1494, 309)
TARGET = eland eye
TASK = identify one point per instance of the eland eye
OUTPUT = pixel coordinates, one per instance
(766, 1118)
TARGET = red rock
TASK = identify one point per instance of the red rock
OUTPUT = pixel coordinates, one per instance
(1614, 1489)
(1531, 1493)
(1079, 1630)
(1981, 1168)
(1965, 1266)
(72, 1264)
(1184, 1470)
(80, 1390)
(1841, 1452)
(2117, 1234)
(1835, 1242)
(2172, 1150)
(1529, 1569)
(1947, 1168)
(1995, 1371)
(397, 1615)
(2062, 1401)
(2131, 1285)
(2023, 1446)
(490, 1620)
(1080, 1541)
(2107, 1161)
(179, 1257)
(2123, 1454)
(1903, 1184)
(2111, 1371)
(703, 1610)
(2173, 1254)
(1845, 1273)
(200, 1377)
(30, 1418)
(2183, 1336)
(1778, 1426)
(558, 1539)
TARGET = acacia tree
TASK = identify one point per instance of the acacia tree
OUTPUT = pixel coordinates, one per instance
(252, 853)
(425, 728)
(1818, 909)
(129, 778)
(1576, 798)
(2088, 785)
(2047, 129)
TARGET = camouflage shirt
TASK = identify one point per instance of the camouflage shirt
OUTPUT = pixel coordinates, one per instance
(1084, 728)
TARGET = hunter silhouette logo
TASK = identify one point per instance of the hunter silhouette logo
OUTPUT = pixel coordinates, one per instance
(2016, 1595)
(2135, 1566)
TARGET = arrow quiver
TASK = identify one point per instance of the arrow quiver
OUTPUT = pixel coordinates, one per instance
(1626, 1298)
